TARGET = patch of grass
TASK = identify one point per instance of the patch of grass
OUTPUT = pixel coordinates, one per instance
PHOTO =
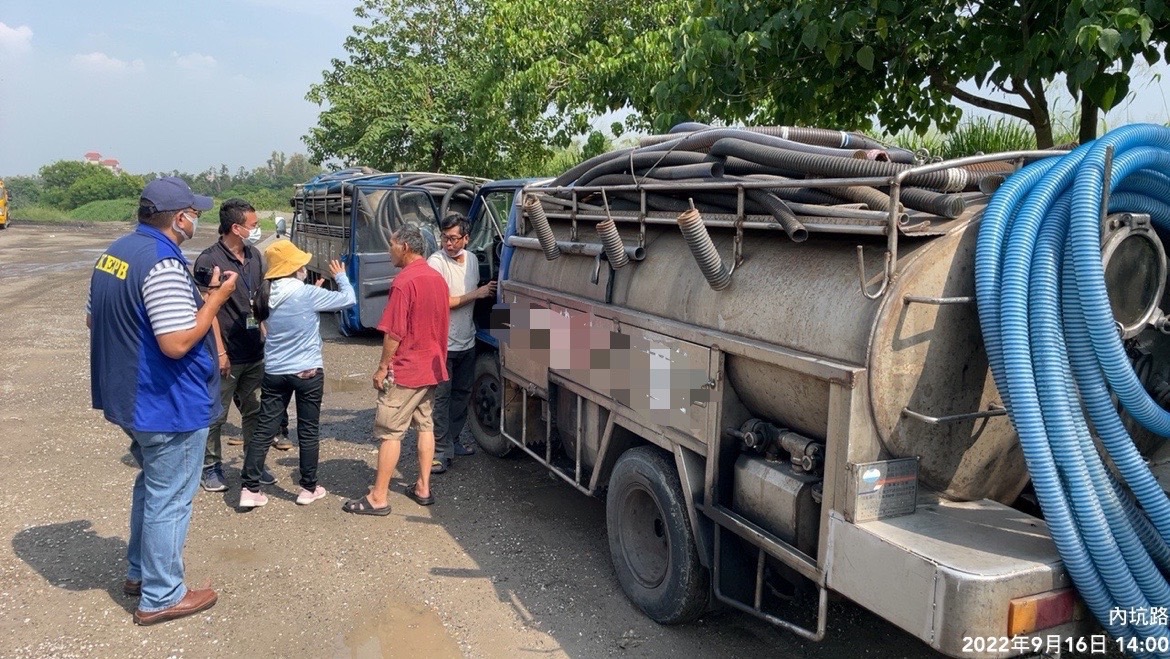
(988, 135)
(37, 213)
(930, 143)
(107, 210)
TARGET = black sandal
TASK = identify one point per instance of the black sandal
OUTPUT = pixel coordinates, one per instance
(422, 501)
(363, 506)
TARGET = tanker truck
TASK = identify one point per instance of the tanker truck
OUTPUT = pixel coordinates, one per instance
(349, 215)
(763, 347)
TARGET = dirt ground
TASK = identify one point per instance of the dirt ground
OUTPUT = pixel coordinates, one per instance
(509, 562)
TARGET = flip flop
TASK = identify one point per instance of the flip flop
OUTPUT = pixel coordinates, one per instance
(363, 506)
(422, 501)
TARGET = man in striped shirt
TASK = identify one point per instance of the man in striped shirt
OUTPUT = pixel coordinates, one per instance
(154, 373)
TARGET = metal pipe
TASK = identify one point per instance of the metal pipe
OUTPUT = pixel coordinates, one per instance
(814, 224)
(690, 222)
(580, 249)
(544, 233)
(953, 418)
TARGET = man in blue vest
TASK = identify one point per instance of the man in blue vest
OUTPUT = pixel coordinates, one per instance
(154, 372)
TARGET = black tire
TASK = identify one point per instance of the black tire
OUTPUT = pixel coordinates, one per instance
(651, 542)
(487, 397)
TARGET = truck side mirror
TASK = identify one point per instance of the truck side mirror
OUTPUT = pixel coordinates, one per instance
(281, 227)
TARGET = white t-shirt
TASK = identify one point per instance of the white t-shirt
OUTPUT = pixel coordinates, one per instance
(462, 278)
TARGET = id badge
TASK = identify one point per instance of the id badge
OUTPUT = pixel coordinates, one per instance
(251, 322)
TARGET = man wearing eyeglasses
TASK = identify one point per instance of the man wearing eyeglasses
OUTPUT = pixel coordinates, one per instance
(154, 373)
(461, 270)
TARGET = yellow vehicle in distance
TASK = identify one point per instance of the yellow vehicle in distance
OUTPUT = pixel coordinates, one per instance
(3, 205)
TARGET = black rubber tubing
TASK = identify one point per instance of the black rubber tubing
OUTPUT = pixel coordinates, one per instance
(705, 138)
(953, 179)
(639, 160)
(575, 172)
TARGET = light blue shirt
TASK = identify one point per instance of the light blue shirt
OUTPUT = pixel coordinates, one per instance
(293, 343)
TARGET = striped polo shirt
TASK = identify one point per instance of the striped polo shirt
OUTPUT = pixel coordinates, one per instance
(140, 289)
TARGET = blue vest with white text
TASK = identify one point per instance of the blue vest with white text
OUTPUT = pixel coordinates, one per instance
(137, 386)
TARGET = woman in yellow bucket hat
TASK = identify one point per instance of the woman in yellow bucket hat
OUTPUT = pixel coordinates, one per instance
(293, 364)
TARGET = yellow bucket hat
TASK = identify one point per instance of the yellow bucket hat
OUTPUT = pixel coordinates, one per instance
(284, 258)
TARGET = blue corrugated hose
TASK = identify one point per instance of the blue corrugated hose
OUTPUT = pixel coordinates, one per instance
(1044, 311)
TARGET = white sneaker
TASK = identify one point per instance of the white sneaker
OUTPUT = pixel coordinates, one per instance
(249, 499)
(306, 497)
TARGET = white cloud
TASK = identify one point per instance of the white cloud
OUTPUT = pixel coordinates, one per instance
(15, 40)
(197, 62)
(98, 62)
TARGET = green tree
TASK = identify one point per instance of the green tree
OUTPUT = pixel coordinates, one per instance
(70, 183)
(299, 169)
(840, 62)
(57, 177)
(24, 191)
(407, 96)
(581, 59)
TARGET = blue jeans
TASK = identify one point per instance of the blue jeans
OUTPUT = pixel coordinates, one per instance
(160, 512)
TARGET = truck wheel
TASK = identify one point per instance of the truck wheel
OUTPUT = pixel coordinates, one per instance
(487, 397)
(651, 541)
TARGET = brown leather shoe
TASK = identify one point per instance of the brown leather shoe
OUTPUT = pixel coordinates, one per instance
(131, 588)
(193, 602)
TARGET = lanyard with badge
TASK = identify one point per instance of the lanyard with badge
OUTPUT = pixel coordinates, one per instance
(250, 322)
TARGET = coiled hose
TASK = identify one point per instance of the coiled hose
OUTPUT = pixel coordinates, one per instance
(1045, 312)
(615, 251)
(544, 233)
(947, 180)
(699, 241)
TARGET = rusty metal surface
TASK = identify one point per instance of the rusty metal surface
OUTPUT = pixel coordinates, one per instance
(930, 358)
(806, 297)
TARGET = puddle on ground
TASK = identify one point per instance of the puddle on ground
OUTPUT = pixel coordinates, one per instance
(240, 556)
(402, 630)
(348, 383)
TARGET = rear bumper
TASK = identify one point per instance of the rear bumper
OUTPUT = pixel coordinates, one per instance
(947, 574)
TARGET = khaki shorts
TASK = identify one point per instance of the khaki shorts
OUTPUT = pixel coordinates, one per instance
(399, 406)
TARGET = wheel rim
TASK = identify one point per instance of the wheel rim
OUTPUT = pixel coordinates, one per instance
(645, 543)
(485, 402)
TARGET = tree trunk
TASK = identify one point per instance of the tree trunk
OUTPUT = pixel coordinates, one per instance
(1089, 110)
(1032, 91)
(437, 151)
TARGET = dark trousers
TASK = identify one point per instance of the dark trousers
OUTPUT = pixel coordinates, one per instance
(451, 400)
(275, 392)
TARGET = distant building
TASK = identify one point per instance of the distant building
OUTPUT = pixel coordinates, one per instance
(95, 158)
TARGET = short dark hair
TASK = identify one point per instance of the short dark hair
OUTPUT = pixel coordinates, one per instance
(456, 220)
(233, 212)
(148, 214)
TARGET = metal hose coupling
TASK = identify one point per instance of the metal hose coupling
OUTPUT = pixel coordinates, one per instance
(544, 233)
(695, 233)
(615, 251)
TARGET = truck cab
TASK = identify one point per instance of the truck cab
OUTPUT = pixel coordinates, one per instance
(349, 216)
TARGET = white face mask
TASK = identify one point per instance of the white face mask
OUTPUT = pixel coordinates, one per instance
(302, 273)
(253, 236)
(194, 226)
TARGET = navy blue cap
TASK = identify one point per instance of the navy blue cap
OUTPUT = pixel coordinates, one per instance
(171, 193)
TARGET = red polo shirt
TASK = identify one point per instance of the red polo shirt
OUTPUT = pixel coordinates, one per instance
(417, 315)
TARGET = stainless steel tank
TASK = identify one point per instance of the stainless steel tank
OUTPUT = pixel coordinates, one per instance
(924, 359)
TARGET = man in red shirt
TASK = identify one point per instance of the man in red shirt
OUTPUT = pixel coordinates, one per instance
(414, 362)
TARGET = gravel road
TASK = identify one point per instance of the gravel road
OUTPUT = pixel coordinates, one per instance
(508, 563)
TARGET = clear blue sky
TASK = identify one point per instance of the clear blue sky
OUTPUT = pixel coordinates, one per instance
(187, 86)
(162, 85)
